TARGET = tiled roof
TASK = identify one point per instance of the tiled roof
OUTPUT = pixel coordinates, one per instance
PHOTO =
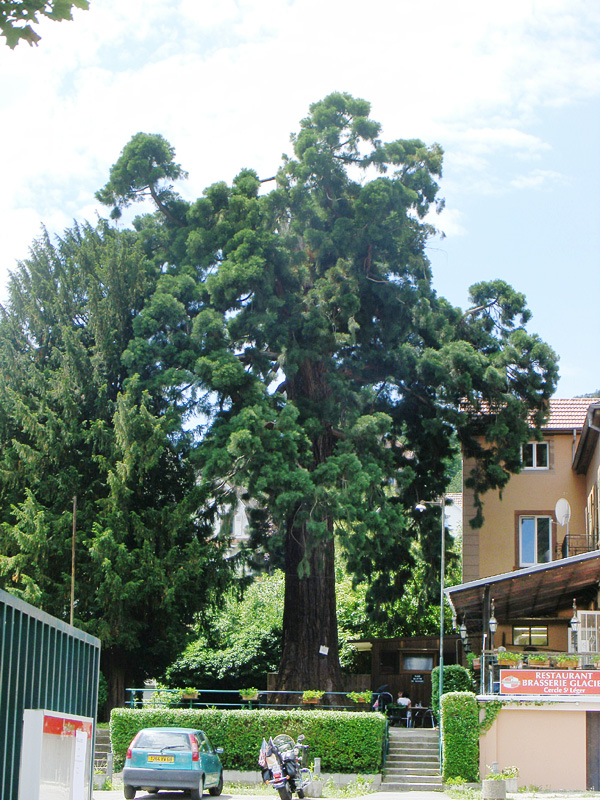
(568, 413)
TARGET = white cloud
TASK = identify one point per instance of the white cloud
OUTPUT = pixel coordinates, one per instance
(537, 179)
(227, 82)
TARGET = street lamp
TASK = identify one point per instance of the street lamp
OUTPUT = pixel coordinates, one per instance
(421, 507)
(574, 623)
(493, 626)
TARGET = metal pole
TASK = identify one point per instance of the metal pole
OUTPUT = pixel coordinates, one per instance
(442, 586)
(73, 558)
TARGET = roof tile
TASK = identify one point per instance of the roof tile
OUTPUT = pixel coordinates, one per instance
(568, 413)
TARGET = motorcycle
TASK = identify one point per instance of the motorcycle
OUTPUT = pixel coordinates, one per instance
(281, 761)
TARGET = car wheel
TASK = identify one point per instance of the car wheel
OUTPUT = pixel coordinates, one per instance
(216, 790)
(196, 794)
(128, 791)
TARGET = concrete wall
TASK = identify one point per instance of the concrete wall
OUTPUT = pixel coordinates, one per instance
(548, 745)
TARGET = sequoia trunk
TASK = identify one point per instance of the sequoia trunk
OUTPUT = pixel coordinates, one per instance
(310, 657)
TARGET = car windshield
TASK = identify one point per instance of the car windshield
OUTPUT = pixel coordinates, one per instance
(161, 740)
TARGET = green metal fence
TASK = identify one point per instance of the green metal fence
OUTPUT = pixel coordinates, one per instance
(44, 663)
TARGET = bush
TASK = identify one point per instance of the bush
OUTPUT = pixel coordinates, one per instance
(344, 742)
(460, 726)
(456, 679)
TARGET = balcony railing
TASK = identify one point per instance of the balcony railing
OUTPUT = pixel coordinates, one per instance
(148, 697)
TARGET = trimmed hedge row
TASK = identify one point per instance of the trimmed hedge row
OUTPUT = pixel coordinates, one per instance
(345, 742)
(460, 724)
(456, 679)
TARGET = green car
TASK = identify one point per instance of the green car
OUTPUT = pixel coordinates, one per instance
(172, 758)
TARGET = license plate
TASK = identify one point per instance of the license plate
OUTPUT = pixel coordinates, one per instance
(162, 759)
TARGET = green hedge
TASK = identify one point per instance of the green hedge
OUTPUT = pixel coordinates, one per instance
(460, 726)
(456, 679)
(345, 742)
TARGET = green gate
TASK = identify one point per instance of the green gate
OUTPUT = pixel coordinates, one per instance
(44, 663)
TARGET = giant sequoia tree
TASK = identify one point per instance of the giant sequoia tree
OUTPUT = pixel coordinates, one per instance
(330, 375)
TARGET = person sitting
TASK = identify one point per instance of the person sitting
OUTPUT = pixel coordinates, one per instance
(404, 701)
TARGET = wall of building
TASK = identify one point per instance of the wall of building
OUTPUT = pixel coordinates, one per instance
(492, 550)
(548, 745)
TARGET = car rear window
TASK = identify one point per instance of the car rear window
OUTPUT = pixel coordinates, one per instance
(157, 740)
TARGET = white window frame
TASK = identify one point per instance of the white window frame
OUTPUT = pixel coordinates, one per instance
(534, 446)
(588, 634)
(535, 517)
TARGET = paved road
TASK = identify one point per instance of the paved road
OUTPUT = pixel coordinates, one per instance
(98, 795)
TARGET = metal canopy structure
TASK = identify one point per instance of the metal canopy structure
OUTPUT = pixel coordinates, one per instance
(540, 591)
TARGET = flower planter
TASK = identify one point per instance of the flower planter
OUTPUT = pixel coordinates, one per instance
(539, 664)
(313, 701)
(492, 789)
(190, 696)
(248, 698)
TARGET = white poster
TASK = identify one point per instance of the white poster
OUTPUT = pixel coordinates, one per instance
(79, 761)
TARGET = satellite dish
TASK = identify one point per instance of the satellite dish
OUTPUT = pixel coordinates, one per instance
(563, 511)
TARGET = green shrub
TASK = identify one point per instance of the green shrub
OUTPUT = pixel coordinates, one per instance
(456, 679)
(344, 742)
(460, 726)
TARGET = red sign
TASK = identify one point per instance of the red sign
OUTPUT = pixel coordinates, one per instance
(562, 682)
(66, 726)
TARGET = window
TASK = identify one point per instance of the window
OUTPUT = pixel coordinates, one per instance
(535, 541)
(534, 455)
(417, 663)
(530, 636)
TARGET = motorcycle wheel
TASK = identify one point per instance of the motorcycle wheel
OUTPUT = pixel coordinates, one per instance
(285, 792)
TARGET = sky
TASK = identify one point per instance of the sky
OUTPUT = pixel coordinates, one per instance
(510, 90)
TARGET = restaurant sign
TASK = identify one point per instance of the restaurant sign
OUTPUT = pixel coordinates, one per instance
(565, 682)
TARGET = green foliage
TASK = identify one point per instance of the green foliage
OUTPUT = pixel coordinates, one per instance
(74, 420)
(312, 694)
(359, 697)
(344, 742)
(460, 723)
(238, 643)
(456, 679)
(16, 16)
(145, 161)
(491, 710)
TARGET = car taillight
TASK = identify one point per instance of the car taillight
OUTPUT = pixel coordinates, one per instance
(135, 738)
(195, 751)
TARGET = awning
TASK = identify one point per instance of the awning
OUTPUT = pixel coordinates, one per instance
(540, 591)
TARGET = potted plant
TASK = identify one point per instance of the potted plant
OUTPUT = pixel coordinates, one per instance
(538, 660)
(510, 775)
(509, 659)
(493, 787)
(189, 693)
(360, 697)
(593, 661)
(566, 661)
(165, 697)
(249, 694)
(312, 696)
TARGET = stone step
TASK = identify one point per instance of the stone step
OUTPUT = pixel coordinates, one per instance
(420, 772)
(412, 753)
(416, 758)
(410, 786)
